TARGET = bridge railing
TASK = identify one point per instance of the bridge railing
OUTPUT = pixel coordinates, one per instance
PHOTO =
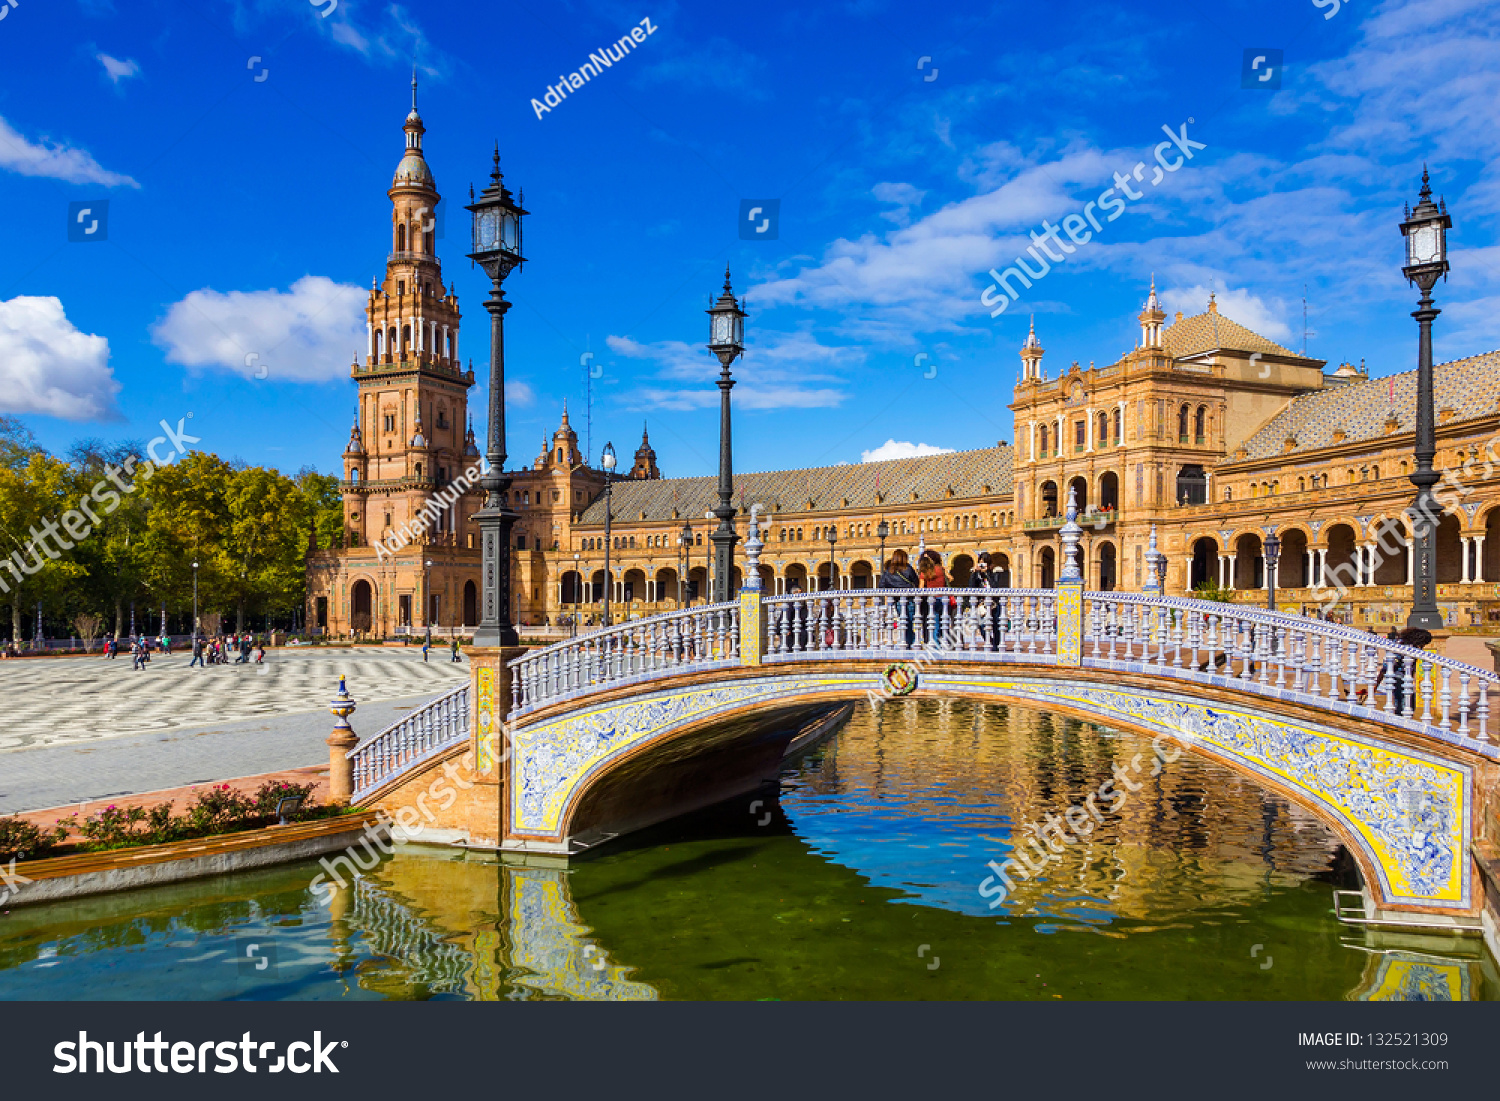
(677, 641)
(1309, 661)
(408, 742)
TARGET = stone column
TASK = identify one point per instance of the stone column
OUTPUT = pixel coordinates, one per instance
(1089, 431)
(1463, 542)
(1411, 561)
(1031, 451)
(1322, 566)
(1478, 558)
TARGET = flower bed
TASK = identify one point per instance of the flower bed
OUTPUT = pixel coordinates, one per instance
(216, 810)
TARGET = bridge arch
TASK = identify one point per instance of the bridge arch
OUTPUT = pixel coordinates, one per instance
(1403, 812)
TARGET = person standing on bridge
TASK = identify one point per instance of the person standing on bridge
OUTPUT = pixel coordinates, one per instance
(983, 576)
(898, 574)
(930, 571)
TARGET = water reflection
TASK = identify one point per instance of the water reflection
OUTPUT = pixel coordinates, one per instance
(861, 883)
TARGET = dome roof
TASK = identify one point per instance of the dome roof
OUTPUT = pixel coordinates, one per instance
(413, 170)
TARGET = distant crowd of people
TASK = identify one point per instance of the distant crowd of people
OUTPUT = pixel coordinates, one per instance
(207, 650)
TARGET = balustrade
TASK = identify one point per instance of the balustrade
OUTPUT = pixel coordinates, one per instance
(410, 741)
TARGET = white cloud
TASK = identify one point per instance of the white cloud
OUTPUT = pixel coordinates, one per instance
(47, 366)
(518, 392)
(393, 36)
(903, 196)
(116, 69)
(901, 449)
(310, 333)
(1238, 305)
(53, 160)
(781, 371)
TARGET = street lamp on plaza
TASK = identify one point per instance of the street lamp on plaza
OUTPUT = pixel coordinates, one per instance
(685, 545)
(608, 462)
(497, 249)
(195, 600)
(577, 584)
(1272, 548)
(427, 597)
(1425, 230)
(882, 532)
(833, 538)
(727, 341)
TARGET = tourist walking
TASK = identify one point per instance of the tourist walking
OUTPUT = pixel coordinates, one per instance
(455, 648)
(426, 645)
(197, 652)
(260, 652)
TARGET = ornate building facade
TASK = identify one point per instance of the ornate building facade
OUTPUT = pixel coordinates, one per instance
(1204, 430)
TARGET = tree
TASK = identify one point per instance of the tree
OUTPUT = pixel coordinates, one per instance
(187, 521)
(38, 562)
(325, 505)
(269, 517)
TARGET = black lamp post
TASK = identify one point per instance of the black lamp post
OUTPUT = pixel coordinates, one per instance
(833, 538)
(685, 545)
(578, 568)
(727, 341)
(1272, 548)
(608, 462)
(195, 600)
(882, 532)
(497, 249)
(1425, 230)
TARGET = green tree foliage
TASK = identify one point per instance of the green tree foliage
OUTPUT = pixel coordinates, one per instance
(249, 529)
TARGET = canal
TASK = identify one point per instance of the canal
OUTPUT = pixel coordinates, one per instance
(862, 877)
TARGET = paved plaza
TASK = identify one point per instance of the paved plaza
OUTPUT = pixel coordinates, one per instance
(91, 728)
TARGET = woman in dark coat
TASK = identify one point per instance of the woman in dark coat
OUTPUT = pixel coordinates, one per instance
(898, 574)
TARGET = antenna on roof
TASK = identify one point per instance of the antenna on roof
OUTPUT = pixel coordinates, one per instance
(1306, 332)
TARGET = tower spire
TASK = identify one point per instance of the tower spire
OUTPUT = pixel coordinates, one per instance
(413, 87)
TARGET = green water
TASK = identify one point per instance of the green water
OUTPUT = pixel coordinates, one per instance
(860, 878)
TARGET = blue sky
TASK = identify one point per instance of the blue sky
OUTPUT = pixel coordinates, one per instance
(247, 216)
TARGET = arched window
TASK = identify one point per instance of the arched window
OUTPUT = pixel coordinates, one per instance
(1182, 424)
(354, 475)
(1200, 424)
(401, 238)
(1375, 472)
(1103, 423)
(1301, 485)
(1117, 427)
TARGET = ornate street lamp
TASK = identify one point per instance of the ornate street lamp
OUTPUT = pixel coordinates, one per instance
(608, 463)
(727, 341)
(685, 545)
(427, 616)
(1425, 230)
(497, 249)
(577, 584)
(882, 532)
(1272, 548)
(195, 600)
(833, 538)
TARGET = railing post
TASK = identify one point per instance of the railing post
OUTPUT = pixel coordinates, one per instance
(340, 742)
(1070, 591)
(492, 696)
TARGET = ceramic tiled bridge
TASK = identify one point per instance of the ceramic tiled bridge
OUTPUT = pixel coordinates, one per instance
(1394, 748)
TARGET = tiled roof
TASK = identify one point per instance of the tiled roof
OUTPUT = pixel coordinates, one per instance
(1470, 387)
(1207, 332)
(970, 474)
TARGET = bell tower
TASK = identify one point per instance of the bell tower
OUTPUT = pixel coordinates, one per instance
(413, 388)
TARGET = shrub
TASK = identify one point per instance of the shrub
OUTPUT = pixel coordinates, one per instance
(217, 809)
(272, 792)
(20, 840)
(112, 827)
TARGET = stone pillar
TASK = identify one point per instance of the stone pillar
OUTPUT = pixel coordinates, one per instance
(1478, 558)
(486, 814)
(1031, 451)
(340, 742)
(1463, 542)
(1089, 431)
(1322, 566)
(1411, 562)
